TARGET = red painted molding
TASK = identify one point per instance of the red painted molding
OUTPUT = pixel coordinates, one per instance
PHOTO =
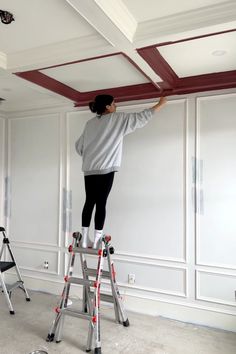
(188, 39)
(124, 93)
(50, 84)
(172, 84)
(160, 66)
(215, 81)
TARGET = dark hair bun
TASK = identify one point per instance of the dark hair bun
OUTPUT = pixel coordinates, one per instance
(92, 106)
(99, 104)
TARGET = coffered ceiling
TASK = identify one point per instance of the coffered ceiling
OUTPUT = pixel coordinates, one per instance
(59, 52)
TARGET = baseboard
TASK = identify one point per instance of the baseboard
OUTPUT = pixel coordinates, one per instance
(186, 312)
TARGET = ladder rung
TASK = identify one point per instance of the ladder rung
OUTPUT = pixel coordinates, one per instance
(14, 286)
(85, 250)
(80, 281)
(107, 298)
(93, 272)
(104, 297)
(76, 313)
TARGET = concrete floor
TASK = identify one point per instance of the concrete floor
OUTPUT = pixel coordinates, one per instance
(27, 329)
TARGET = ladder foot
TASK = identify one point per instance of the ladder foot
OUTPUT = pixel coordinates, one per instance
(12, 312)
(98, 351)
(50, 337)
(126, 323)
(58, 341)
(88, 350)
(27, 299)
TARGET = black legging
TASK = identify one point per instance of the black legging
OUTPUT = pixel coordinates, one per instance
(97, 188)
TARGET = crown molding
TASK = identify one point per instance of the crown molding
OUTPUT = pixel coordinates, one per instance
(58, 53)
(187, 21)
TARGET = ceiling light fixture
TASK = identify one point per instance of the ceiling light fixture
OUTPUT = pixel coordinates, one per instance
(6, 17)
(219, 52)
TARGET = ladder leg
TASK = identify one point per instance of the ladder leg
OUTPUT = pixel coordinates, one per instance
(90, 336)
(22, 283)
(4, 288)
(59, 329)
(57, 325)
(22, 286)
(53, 330)
(56, 321)
(96, 303)
(118, 303)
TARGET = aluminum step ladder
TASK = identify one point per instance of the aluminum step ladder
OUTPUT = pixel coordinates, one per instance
(91, 283)
(4, 266)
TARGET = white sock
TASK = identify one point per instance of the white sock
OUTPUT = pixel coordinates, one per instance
(85, 238)
(97, 237)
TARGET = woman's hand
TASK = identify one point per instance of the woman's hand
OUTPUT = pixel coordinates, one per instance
(161, 103)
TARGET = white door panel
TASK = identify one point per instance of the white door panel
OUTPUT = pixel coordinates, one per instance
(216, 142)
(35, 177)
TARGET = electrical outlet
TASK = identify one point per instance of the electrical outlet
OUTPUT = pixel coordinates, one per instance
(131, 278)
(46, 265)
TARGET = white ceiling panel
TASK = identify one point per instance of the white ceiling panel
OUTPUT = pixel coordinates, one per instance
(202, 56)
(40, 22)
(107, 72)
(152, 9)
(15, 91)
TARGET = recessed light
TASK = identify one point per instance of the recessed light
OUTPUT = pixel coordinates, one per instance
(219, 53)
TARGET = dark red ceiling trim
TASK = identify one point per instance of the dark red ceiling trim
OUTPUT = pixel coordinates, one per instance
(215, 81)
(50, 84)
(172, 84)
(121, 94)
(160, 66)
(100, 57)
(125, 93)
(187, 39)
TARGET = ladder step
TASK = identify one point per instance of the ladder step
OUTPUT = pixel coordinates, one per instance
(75, 313)
(14, 286)
(6, 265)
(104, 297)
(86, 250)
(107, 298)
(74, 280)
(93, 272)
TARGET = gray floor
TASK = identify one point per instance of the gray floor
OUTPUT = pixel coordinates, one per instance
(27, 329)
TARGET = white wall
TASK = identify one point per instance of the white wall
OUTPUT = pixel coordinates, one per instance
(2, 167)
(183, 255)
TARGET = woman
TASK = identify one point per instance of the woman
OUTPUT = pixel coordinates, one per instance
(100, 146)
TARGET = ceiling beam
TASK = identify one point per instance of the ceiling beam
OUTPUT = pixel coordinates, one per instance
(206, 82)
(114, 22)
(97, 13)
(50, 84)
(160, 66)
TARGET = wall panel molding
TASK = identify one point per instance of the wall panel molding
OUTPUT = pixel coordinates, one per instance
(39, 268)
(213, 299)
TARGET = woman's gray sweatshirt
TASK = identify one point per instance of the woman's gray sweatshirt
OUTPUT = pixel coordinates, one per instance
(100, 145)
